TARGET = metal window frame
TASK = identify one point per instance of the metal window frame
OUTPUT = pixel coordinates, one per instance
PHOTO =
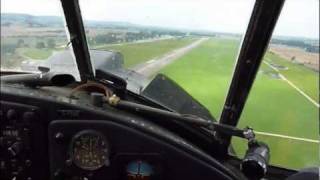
(255, 43)
(78, 39)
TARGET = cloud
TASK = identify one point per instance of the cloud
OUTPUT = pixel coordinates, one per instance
(299, 18)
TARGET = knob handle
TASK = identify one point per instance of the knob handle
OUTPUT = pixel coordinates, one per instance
(15, 148)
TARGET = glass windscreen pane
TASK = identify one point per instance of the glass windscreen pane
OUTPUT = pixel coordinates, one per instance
(283, 106)
(33, 34)
(195, 43)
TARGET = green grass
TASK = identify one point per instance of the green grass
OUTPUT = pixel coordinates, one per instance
(34, 53)
(300, 75)
(206, 71)
(275, 100)
(273, 105)
(141, 52)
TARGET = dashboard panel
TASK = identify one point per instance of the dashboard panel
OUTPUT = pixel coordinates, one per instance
(48, 136)
(20, 154)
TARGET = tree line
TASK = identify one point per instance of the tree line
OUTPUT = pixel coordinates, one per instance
(21, 43)
(297, 43)
(109, 38)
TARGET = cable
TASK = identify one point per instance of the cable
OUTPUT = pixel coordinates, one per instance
(108, 93)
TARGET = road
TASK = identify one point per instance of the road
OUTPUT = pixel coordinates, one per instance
(152, 66)
(134, 42)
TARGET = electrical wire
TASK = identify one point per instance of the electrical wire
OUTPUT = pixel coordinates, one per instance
(108, 93)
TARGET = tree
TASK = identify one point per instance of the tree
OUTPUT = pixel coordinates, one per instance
(105, 38)
(8, 48)
(51, 43)
(20, 43)
(40, 45)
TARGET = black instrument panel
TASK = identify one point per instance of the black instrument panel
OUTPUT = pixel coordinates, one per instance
(122, 155)
(22, 142)
(77, 141)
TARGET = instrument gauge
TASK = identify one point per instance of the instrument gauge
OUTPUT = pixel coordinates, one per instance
(89, 150)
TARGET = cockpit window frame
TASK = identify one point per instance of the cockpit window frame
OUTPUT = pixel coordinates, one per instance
(72, 14)
(262, 22)
(253, 47)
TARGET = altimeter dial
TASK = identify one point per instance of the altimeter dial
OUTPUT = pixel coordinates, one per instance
(89, 150)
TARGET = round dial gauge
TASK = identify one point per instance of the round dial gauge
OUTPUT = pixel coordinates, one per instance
(89, 150)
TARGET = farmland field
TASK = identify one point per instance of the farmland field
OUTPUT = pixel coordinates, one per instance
(299, 55)
(273, 105)
(15, 50)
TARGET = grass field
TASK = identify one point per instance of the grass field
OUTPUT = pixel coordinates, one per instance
(273, 105)
(141, 52)
(303, 77)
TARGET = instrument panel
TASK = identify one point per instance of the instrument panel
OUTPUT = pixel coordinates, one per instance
(99, 149)
(20, 154)
(45, 137)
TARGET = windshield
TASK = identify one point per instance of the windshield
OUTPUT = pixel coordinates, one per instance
(196, 44)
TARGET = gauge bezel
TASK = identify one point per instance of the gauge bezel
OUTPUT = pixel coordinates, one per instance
(90, 132)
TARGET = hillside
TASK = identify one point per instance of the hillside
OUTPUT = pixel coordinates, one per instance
(13, 19)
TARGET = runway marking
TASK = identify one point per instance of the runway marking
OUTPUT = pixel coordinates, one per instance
(292, 85)
(287, 137)
(156, 64)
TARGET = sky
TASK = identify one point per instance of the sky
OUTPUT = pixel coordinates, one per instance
(298, 18)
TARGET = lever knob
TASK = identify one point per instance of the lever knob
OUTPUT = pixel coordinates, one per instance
(15, 148)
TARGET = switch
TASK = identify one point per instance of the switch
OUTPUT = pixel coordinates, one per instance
(28, 117)
(2, 144)
(58, 175)
(1, 116)
(28, 163)
(15, 148)
(13, 164)
(2, 165)
(12, 115)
